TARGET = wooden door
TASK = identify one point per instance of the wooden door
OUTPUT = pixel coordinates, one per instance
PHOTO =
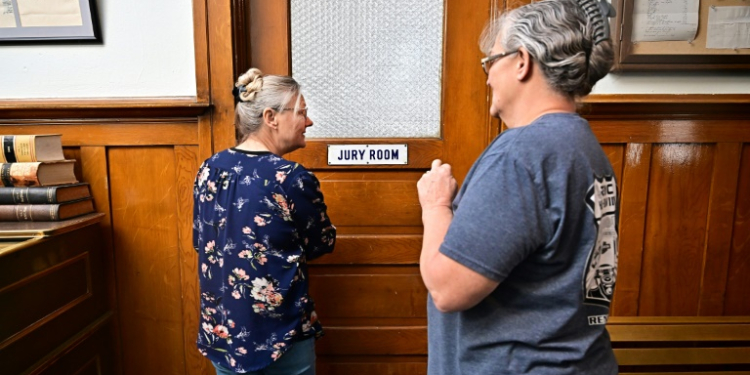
(369, 293)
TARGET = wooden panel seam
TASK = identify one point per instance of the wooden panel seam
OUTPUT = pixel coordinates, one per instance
(632, 224)
(719, 228)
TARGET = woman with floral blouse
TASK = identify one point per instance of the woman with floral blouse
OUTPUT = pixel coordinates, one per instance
(258, 219)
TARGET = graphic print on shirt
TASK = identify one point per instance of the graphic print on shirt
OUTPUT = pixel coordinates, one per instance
(601, 266)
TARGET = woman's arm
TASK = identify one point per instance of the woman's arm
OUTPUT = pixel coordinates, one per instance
(316, 232)
(453, 286)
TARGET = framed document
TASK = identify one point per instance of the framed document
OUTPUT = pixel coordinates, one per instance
(23, 21)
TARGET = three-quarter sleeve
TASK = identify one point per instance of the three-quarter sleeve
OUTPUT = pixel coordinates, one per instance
(316, 232)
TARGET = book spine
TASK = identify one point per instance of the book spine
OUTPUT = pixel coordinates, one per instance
(19, 174)
(18, 148)
(29, 212)
(20, 195)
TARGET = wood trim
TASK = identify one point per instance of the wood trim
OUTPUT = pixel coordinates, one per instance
(679, 332)
(205, 149)
(682, 356)
(464, 121)
(719, 228)
(241, 36)
(650, 130)
(28, 229)
(634, 198)
(662, 320)
(666, 106)
(101, 108)
(221, 72)
(200, 41)
(270, 53)
(114, 132)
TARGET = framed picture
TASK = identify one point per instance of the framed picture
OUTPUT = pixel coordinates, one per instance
(659, 35)
(31, 21)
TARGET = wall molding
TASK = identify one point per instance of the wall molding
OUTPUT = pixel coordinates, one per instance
(672, 106)
(102, 108)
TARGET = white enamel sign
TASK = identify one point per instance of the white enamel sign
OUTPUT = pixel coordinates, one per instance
(367, 154)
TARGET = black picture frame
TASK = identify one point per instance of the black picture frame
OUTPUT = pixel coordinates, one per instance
(88, 32)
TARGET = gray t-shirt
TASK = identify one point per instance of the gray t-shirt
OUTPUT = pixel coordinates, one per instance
(538, 213)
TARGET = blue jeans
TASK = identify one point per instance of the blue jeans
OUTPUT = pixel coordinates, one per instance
(299, 360)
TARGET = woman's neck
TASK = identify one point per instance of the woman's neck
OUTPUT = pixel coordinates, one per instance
(255, 144)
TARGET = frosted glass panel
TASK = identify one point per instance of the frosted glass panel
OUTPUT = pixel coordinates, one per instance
(369, 68)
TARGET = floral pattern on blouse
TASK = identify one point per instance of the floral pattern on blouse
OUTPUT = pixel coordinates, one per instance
(257, 220)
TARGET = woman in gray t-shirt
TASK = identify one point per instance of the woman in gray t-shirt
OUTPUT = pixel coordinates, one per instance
(521, 265)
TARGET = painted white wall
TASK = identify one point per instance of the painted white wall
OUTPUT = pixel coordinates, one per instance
(148, 51)
(725, 82)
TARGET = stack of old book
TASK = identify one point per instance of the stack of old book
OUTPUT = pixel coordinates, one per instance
(39, 184)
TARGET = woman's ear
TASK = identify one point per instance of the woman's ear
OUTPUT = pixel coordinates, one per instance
(523, 65)
(270, 118)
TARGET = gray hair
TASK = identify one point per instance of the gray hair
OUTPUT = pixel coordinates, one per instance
(560, 37)
(255, 93)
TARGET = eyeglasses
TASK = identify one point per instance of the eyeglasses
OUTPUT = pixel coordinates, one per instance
(302, 111)
(489, 60)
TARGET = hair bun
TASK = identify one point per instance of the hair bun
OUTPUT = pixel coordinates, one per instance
(248, 85)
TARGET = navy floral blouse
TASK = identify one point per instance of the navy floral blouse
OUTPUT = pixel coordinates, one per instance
(258, 219)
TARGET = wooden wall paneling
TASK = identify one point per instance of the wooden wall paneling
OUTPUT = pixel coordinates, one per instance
(375, 249)
(221, 73)
(113, 132)
(186, 158)
(94, 169)
(736, 301)
(370, 295)
(373, 341)
(355, 203)
(633, 199)
(676, 214)
(372, 366)
(616, 155)
(144, 220)
(719, 232)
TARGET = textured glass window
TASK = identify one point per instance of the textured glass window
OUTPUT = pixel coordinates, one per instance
(369, 68)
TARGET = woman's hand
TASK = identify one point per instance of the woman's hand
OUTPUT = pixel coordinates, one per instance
(437, 187)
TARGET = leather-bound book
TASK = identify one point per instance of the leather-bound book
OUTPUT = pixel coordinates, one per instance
(38, 173)
(46, 212)
(28, 148)
(44, 194)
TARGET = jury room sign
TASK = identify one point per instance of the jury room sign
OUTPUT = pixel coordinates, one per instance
(367, 154)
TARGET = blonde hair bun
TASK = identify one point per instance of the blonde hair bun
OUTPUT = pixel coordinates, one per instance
(249, 84)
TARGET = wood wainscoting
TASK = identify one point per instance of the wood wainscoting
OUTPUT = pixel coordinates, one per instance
(141, 171)
(682, 162)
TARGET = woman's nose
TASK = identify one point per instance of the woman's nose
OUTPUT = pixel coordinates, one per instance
(308, 122)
